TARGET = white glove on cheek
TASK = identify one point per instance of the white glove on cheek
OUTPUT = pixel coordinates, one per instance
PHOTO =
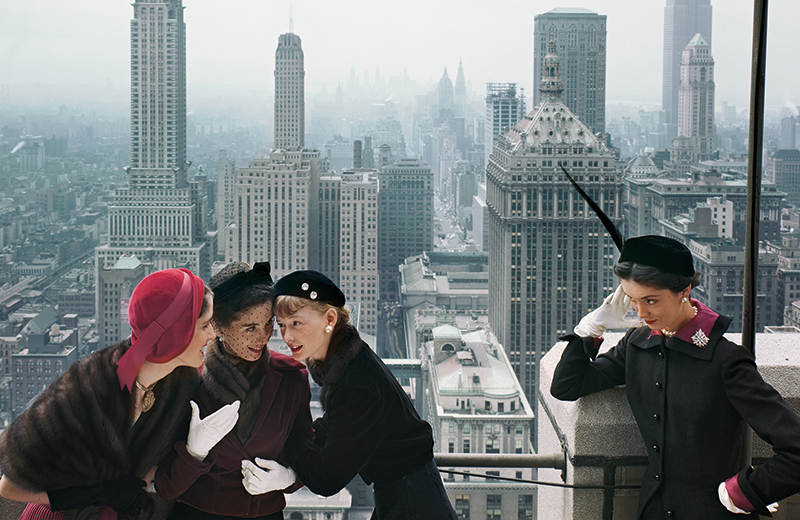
(726, 501)
(205, 434)
(611, 314)
(273, 477)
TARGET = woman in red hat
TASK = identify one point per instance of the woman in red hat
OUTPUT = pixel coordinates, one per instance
(274, 394)
(92, 439)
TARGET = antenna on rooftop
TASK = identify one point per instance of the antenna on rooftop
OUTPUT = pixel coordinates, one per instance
(291, 21)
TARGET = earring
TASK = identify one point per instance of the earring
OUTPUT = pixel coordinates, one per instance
(684, 299)
(222, 338)
(328, 329)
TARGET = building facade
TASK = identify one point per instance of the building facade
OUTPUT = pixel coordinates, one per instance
(783, 169)
(580, 37)
(503, 109)
(358, 252)
(115, 286)
(696, 98)
(162, 215)
(226, 178)
(550, 259)
(682, 20)
(289, 94)
(405, 219)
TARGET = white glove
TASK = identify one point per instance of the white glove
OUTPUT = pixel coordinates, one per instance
(205, 434)
(257, 481)
(722, 491)
(610, 315)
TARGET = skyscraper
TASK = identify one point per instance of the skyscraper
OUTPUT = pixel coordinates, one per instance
(289, 93)
(550, 259)
(580, 37)
(226, 178)
(405, 219)
(460, 92)
(682, 20)
(161, 217)
(275, 199)
(696, 97)
(503, 110)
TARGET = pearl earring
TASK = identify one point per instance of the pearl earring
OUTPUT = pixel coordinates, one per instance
(328, 329)
(684, 299)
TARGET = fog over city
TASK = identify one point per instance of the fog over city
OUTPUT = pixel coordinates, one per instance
(231, 46)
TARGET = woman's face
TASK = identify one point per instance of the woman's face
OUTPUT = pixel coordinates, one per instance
(247, 336)
(304, 332)
(203, 334)
(659, 308)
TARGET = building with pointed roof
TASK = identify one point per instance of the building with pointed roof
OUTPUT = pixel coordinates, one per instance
(550, 259)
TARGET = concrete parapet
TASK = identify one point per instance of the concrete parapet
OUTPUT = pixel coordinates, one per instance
(604, 447)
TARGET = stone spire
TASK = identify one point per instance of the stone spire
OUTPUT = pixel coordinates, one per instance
(551, 85)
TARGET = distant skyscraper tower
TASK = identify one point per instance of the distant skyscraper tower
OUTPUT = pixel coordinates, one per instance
(445, 91)
(226, 180)
(682, 20)
(696, 97)
(405, 219)
(788, 132)
(460, 92)
(503, 110)
(289, 94)
(161, 217)
(580, 36)
(550, 259)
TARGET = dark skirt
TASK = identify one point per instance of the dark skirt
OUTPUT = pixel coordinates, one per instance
(183, 511)
(419, 495)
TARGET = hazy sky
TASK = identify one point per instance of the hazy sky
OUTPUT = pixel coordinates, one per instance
(232, 42)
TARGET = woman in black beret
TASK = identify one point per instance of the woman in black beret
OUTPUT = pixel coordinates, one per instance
(274, 394)
(370, 426)
(691, 391)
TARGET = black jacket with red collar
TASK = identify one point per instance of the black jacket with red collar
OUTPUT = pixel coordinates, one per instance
(691, 404)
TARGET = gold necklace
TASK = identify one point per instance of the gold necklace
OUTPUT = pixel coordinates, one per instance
(670, 333)
(149, 397)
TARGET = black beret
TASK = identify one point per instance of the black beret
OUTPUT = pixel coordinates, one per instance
(661, 252)
(311, 285)
(237, 275)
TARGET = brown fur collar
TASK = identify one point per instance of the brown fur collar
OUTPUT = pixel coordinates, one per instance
(78, 431)
(227, 377)
(344, 347)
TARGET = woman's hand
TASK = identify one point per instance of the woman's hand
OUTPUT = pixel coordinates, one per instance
(273, 477)
(206, 433)
(610, 315)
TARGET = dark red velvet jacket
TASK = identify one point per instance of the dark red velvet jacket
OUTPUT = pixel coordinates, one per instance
(215, 484)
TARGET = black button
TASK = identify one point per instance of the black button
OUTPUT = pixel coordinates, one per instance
(658, 385)
(657, 477)
(655, 449)
(656, 417)
(661, 355)
(670, 513)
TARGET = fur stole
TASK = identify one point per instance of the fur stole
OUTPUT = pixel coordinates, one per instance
(344, 347)
(78, 431)
(227, 377)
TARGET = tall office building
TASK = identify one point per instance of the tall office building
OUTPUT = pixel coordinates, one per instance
(550, 259)
(161, 217)
(329, 196)
(503, 110)
(460, 92)
(289, 94)
(273, 218)
(682, 20)
(226, 179)
(696, 98)
(580, 37)
(358, 250)
(405, 219)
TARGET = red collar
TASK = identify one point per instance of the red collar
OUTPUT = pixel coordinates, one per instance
(698, 330)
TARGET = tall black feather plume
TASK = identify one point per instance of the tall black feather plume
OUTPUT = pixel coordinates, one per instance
(610, 227)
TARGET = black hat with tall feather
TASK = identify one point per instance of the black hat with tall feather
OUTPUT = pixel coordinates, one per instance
(656, 251)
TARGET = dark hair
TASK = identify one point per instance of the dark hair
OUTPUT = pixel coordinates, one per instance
(207, 294)
(655, 277)
(231, 302)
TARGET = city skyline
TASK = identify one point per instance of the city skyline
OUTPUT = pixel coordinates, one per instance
(356, 41)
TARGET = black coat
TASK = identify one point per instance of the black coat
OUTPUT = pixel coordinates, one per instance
(369, 427)
(691, 405)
